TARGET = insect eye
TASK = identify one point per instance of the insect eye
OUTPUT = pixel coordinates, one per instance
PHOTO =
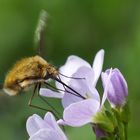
(48, 76)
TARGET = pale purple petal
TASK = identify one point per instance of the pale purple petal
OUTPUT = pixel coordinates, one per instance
(87, 73)
(47, 129)
(50, 93)
(117, 90)
(93, 93)
(107, 86)
(89, 89)
(70, 67)
(104, 78)
(34, 123)
(68, 99)
(49, 118)
(97, 65)
(81, 113)
(123, 82)
(72, 64)
(46, 134)
(79, 86)
(82, 86)
(61, 122)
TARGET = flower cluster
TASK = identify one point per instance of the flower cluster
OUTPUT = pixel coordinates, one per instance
(84, 105)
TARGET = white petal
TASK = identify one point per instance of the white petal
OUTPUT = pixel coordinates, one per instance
(97, 65)
(49, 93)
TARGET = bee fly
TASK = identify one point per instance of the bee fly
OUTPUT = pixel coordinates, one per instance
(34, 70)
(26, 72)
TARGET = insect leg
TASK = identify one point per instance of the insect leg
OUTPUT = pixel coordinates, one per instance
(39, 86)
(63, 127)
(49, 86)
(31, 98)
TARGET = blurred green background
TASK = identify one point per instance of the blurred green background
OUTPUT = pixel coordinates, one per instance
(75, 27)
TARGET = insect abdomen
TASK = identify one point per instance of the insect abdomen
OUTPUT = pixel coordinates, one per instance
(28, 69)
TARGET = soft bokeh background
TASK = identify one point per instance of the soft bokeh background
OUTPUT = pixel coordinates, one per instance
(75, 27)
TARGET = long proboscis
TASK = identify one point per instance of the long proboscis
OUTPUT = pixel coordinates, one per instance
(75, 92)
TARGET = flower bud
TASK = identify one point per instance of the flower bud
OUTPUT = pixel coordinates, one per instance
(117, 89)
(99, 132)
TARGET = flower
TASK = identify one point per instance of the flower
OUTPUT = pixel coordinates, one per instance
(44, 129)
(118, 90)
(77, 67)
(73, 63)
(82, 86)
(83, 112)
(80, 113)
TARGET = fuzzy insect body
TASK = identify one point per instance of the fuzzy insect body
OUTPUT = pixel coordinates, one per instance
(27, 72)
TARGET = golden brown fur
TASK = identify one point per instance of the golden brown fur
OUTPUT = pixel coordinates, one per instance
(27, 72)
